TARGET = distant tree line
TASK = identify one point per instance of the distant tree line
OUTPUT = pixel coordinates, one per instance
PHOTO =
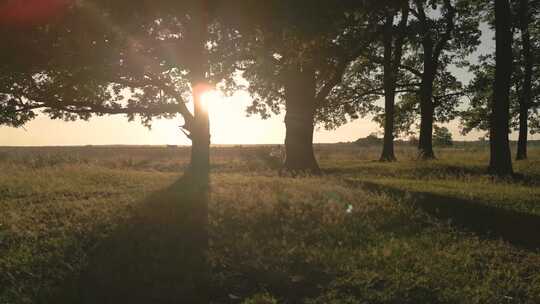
(321, 62)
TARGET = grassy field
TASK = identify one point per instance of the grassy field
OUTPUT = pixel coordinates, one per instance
(116, 225)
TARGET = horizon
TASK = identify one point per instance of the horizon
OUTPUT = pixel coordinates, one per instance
(232, 145)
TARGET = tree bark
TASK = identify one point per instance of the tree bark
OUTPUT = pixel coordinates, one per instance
(523, 133)
(525, 98)
(389, 92)
(300, 92)
(432, 52)
(200, 133)
(199, 169)
(392, 61)
(427, 109)
(501, 160)
(200, 136)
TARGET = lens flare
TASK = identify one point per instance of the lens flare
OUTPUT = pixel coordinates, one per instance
(31, 12)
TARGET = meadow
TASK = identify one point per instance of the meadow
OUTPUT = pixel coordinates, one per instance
(115, 225)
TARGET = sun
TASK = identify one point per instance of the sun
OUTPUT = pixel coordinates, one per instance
(210, 98)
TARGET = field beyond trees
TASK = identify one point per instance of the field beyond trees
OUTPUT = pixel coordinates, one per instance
(115, 225)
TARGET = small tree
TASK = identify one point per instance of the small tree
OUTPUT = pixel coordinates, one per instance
(442, 136)
(371, 139)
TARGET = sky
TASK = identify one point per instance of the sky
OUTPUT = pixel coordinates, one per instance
(229, 125)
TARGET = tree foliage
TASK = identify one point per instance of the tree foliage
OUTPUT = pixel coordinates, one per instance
(476, 114)
(442, 136)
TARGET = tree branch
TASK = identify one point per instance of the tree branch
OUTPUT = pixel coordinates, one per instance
(400, 39)
(337, 75)
(438, 99)
(449, 28)
(421, 15)
(412, 70)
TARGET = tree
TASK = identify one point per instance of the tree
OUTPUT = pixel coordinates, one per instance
(442, 136)
(439, 34)
(524, 93)
(525, 99)
(121, 57)
(480, 94)
(294, 54)
(393, 41)
(171, 39)
(442, 41)
(63, 66)
(501, 161)
(369, 140)
(371, 75)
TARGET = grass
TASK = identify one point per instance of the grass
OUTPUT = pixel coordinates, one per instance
(119, 225)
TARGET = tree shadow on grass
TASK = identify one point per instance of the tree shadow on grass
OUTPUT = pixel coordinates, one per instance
(159, 256)
(440, 170)
(517, 228)
(421, 171)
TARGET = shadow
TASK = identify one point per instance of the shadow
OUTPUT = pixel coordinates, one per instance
(517, 228)
(527, 180)
(159, 256)
(440, 170)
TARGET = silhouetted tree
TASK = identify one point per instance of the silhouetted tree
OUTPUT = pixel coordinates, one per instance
(524, 93)
(480, 93)
(441, 39)
(500, 161)
(525, 100)
(294, 54)
(65, 67)
(122, 57)
(393, 41)
(375, 74)
(170, 45)
(439, 34)
(372, 74)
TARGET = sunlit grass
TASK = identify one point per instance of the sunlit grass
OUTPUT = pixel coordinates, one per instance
(361, 233)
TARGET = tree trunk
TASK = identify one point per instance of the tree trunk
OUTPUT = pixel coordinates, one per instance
(199, 170)
(427, 110)
(200, 133)
(523, 133)
(300, 90)
(432, 52)
(392, 61)
(501, 160)
(200, 136)
(425, 143)
(525, 98)
(389, 93)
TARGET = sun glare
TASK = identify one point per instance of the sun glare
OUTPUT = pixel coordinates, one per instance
(211, 98)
